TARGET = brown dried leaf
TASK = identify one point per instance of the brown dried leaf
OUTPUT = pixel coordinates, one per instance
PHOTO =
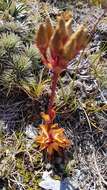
(77, 41)
(49, 29)
(42, 38)
(68, 27)
(56, 44)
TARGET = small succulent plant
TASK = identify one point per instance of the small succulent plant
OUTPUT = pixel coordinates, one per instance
(19, 59)
(57, 45)
(10, 8)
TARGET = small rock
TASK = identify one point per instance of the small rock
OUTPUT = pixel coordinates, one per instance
(51, 184)
(48, 167)
(31, 131)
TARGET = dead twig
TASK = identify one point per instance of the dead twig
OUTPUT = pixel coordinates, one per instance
(101, 179)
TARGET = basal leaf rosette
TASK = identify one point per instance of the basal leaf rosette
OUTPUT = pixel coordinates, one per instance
(52, 139)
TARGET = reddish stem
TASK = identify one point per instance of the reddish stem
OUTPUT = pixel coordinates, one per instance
(53, 90)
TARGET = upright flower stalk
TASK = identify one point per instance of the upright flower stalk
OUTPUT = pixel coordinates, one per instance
(53, 91)
(57, 45)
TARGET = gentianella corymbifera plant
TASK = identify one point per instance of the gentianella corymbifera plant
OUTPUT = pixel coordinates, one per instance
(57, 45)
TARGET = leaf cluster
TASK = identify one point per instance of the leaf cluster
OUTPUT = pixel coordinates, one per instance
(10, 8)
(19, 59)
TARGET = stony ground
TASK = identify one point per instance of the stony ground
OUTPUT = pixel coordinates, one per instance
(81, 110)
